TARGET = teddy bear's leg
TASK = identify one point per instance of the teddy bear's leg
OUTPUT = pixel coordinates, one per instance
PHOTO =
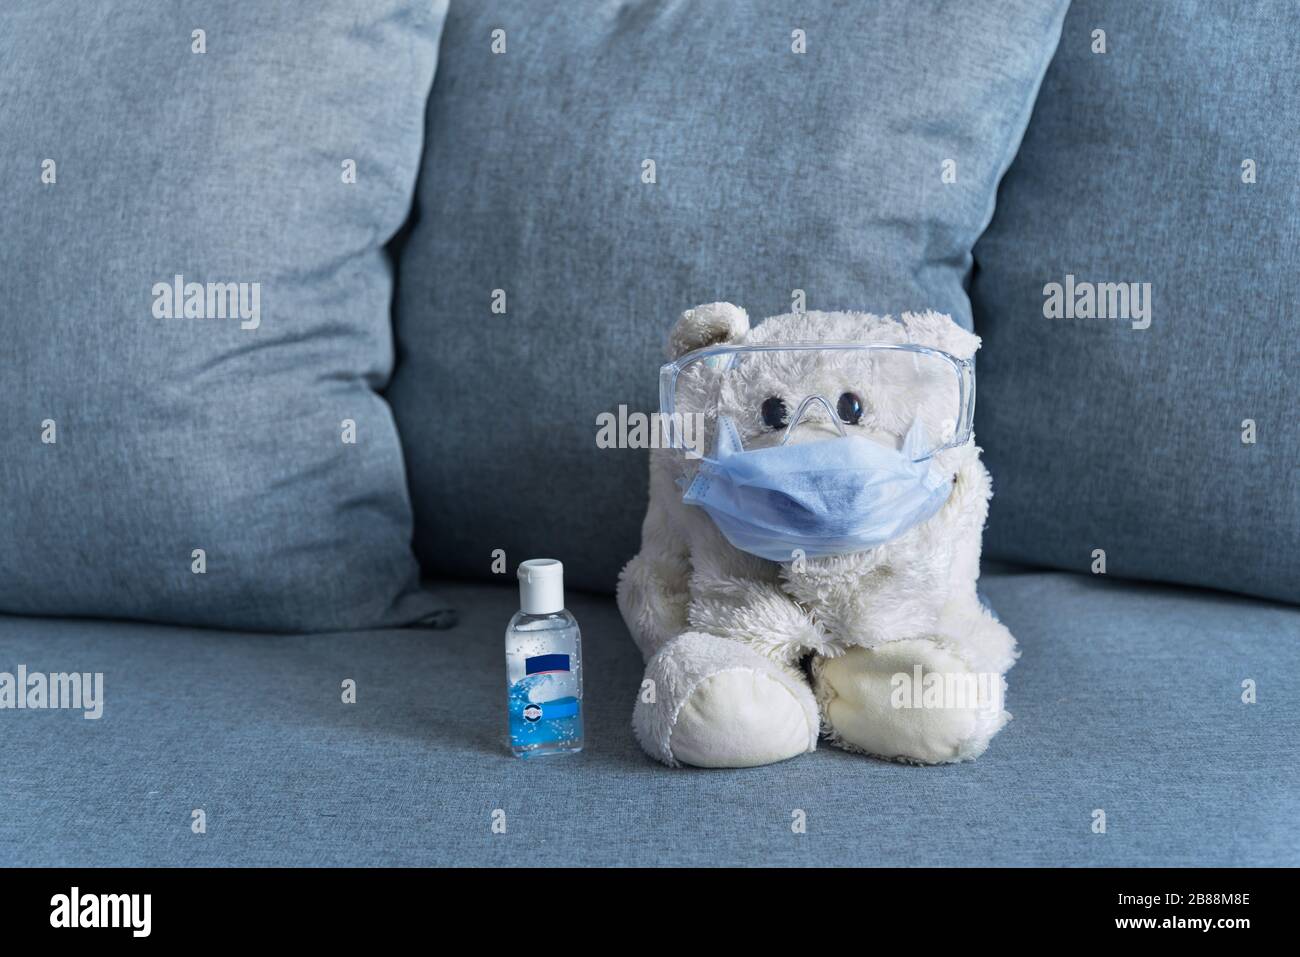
(716, 703)
(876, 701)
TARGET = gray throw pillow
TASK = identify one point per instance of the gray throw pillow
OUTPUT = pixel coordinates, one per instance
(195, 305)
(594, 168)
(1136, 293)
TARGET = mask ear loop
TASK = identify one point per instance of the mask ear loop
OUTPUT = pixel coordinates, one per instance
(803, 407)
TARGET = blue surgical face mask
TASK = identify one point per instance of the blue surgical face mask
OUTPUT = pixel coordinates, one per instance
(829, 497)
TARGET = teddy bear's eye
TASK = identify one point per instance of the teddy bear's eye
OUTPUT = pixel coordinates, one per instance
(849, 408)
(774, 413)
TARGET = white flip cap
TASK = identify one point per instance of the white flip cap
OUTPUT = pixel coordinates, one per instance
(541, 586)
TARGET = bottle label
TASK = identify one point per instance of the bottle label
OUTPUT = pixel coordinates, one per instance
(544, 710)
(560, 708)
(546, 664)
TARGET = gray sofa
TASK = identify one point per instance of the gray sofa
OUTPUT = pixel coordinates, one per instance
(1127, 699)
(1168, 713)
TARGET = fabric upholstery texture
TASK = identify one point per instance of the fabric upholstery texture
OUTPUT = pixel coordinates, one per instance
(140, 142)
(550, 258)
(1168, 160)
(1127, 699)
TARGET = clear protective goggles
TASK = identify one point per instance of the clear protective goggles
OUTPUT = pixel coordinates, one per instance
(792, 392)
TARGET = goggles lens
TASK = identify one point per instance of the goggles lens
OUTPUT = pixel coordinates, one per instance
(777, 394)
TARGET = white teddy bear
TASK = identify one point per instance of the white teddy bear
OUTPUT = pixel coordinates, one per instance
(750, 658)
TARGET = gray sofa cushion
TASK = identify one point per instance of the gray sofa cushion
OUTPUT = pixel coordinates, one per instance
(1105, 436)
(1127, 698)
(223, 434)
(774, 171)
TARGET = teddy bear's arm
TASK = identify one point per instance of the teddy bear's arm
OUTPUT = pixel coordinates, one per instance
(738, 596)
(901, 590)
(653, 589)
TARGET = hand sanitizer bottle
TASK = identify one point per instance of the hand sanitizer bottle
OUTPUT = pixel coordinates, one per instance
(543, 665)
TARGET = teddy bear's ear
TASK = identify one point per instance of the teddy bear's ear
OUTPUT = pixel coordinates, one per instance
(938, 331)
(711, 324)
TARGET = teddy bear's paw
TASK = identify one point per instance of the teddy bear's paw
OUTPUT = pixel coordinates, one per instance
(911, 700)
(714, 703)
